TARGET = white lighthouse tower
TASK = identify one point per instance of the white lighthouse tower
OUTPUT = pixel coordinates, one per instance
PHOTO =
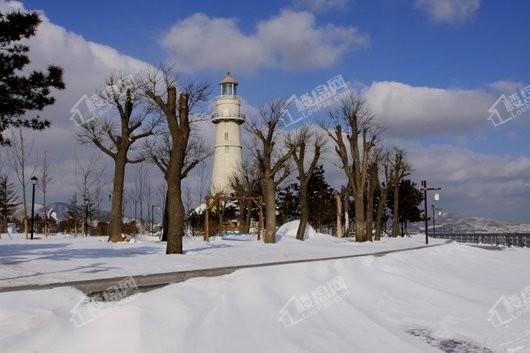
(228, 119)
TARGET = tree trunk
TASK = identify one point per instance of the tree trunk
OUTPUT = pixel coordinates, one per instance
(339, 216)
(176, 215)
(117, 197)
(346, 226)
(370, 194)
(360, 221)
(164, 219)
(379, 213)
(304, 213)
(26, 227)
(395, 213)
(369, 215)
(242, 216)
(269, 195)
(248, 217)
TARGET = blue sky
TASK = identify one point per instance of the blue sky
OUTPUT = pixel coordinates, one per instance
(430, 69)
(404, 44)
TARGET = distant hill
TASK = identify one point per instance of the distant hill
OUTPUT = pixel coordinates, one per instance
(56, 210)
(451, 223)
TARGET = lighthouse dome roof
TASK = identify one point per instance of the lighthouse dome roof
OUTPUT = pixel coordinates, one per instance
(228, 79)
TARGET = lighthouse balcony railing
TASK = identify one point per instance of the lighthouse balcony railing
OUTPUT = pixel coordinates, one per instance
(228, 116)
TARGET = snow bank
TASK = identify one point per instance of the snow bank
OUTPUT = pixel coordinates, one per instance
(438, 294)
(289, 230)
(61, 258)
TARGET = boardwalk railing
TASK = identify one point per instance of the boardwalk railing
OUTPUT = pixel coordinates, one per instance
(506, 239)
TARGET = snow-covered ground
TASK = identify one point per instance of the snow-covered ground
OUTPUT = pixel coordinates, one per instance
(60, 258)
(422, 301)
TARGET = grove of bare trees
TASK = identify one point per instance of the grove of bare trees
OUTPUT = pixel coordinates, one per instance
(272, 158)
(117, 134)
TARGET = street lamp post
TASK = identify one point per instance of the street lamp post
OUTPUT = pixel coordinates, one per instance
(424, 188)
(33, 182)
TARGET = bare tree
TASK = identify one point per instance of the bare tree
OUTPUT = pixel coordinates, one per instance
(202, 184)
(298, 143)
(400, 168)
(383, 188)
(180, 151)
(117, 139)
(141, 182)
(271, 159)
(245, 183)
(338, 199)
(45, 179)
(19, 163)
(87, 177)
(372, 185)
(355, 135)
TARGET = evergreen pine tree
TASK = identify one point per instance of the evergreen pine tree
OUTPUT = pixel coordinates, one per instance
(321, 201)
(22, 91)
(322, 204)
(410, 197)
(8, 202)
(287, 203)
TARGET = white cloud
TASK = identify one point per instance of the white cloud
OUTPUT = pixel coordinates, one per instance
(85, 64)
(507, 87)
(319, 5)
(474, 183)
(449, 11)
(406, 110)
(288, 41)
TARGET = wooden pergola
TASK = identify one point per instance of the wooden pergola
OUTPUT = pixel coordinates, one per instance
(216, 200)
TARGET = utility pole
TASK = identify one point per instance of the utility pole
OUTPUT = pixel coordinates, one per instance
(434, 210)
(424, 188)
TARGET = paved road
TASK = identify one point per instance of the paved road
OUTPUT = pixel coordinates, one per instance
(146, 282)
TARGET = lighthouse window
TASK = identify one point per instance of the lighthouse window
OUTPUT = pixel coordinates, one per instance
(228, 89)
(226, 136)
